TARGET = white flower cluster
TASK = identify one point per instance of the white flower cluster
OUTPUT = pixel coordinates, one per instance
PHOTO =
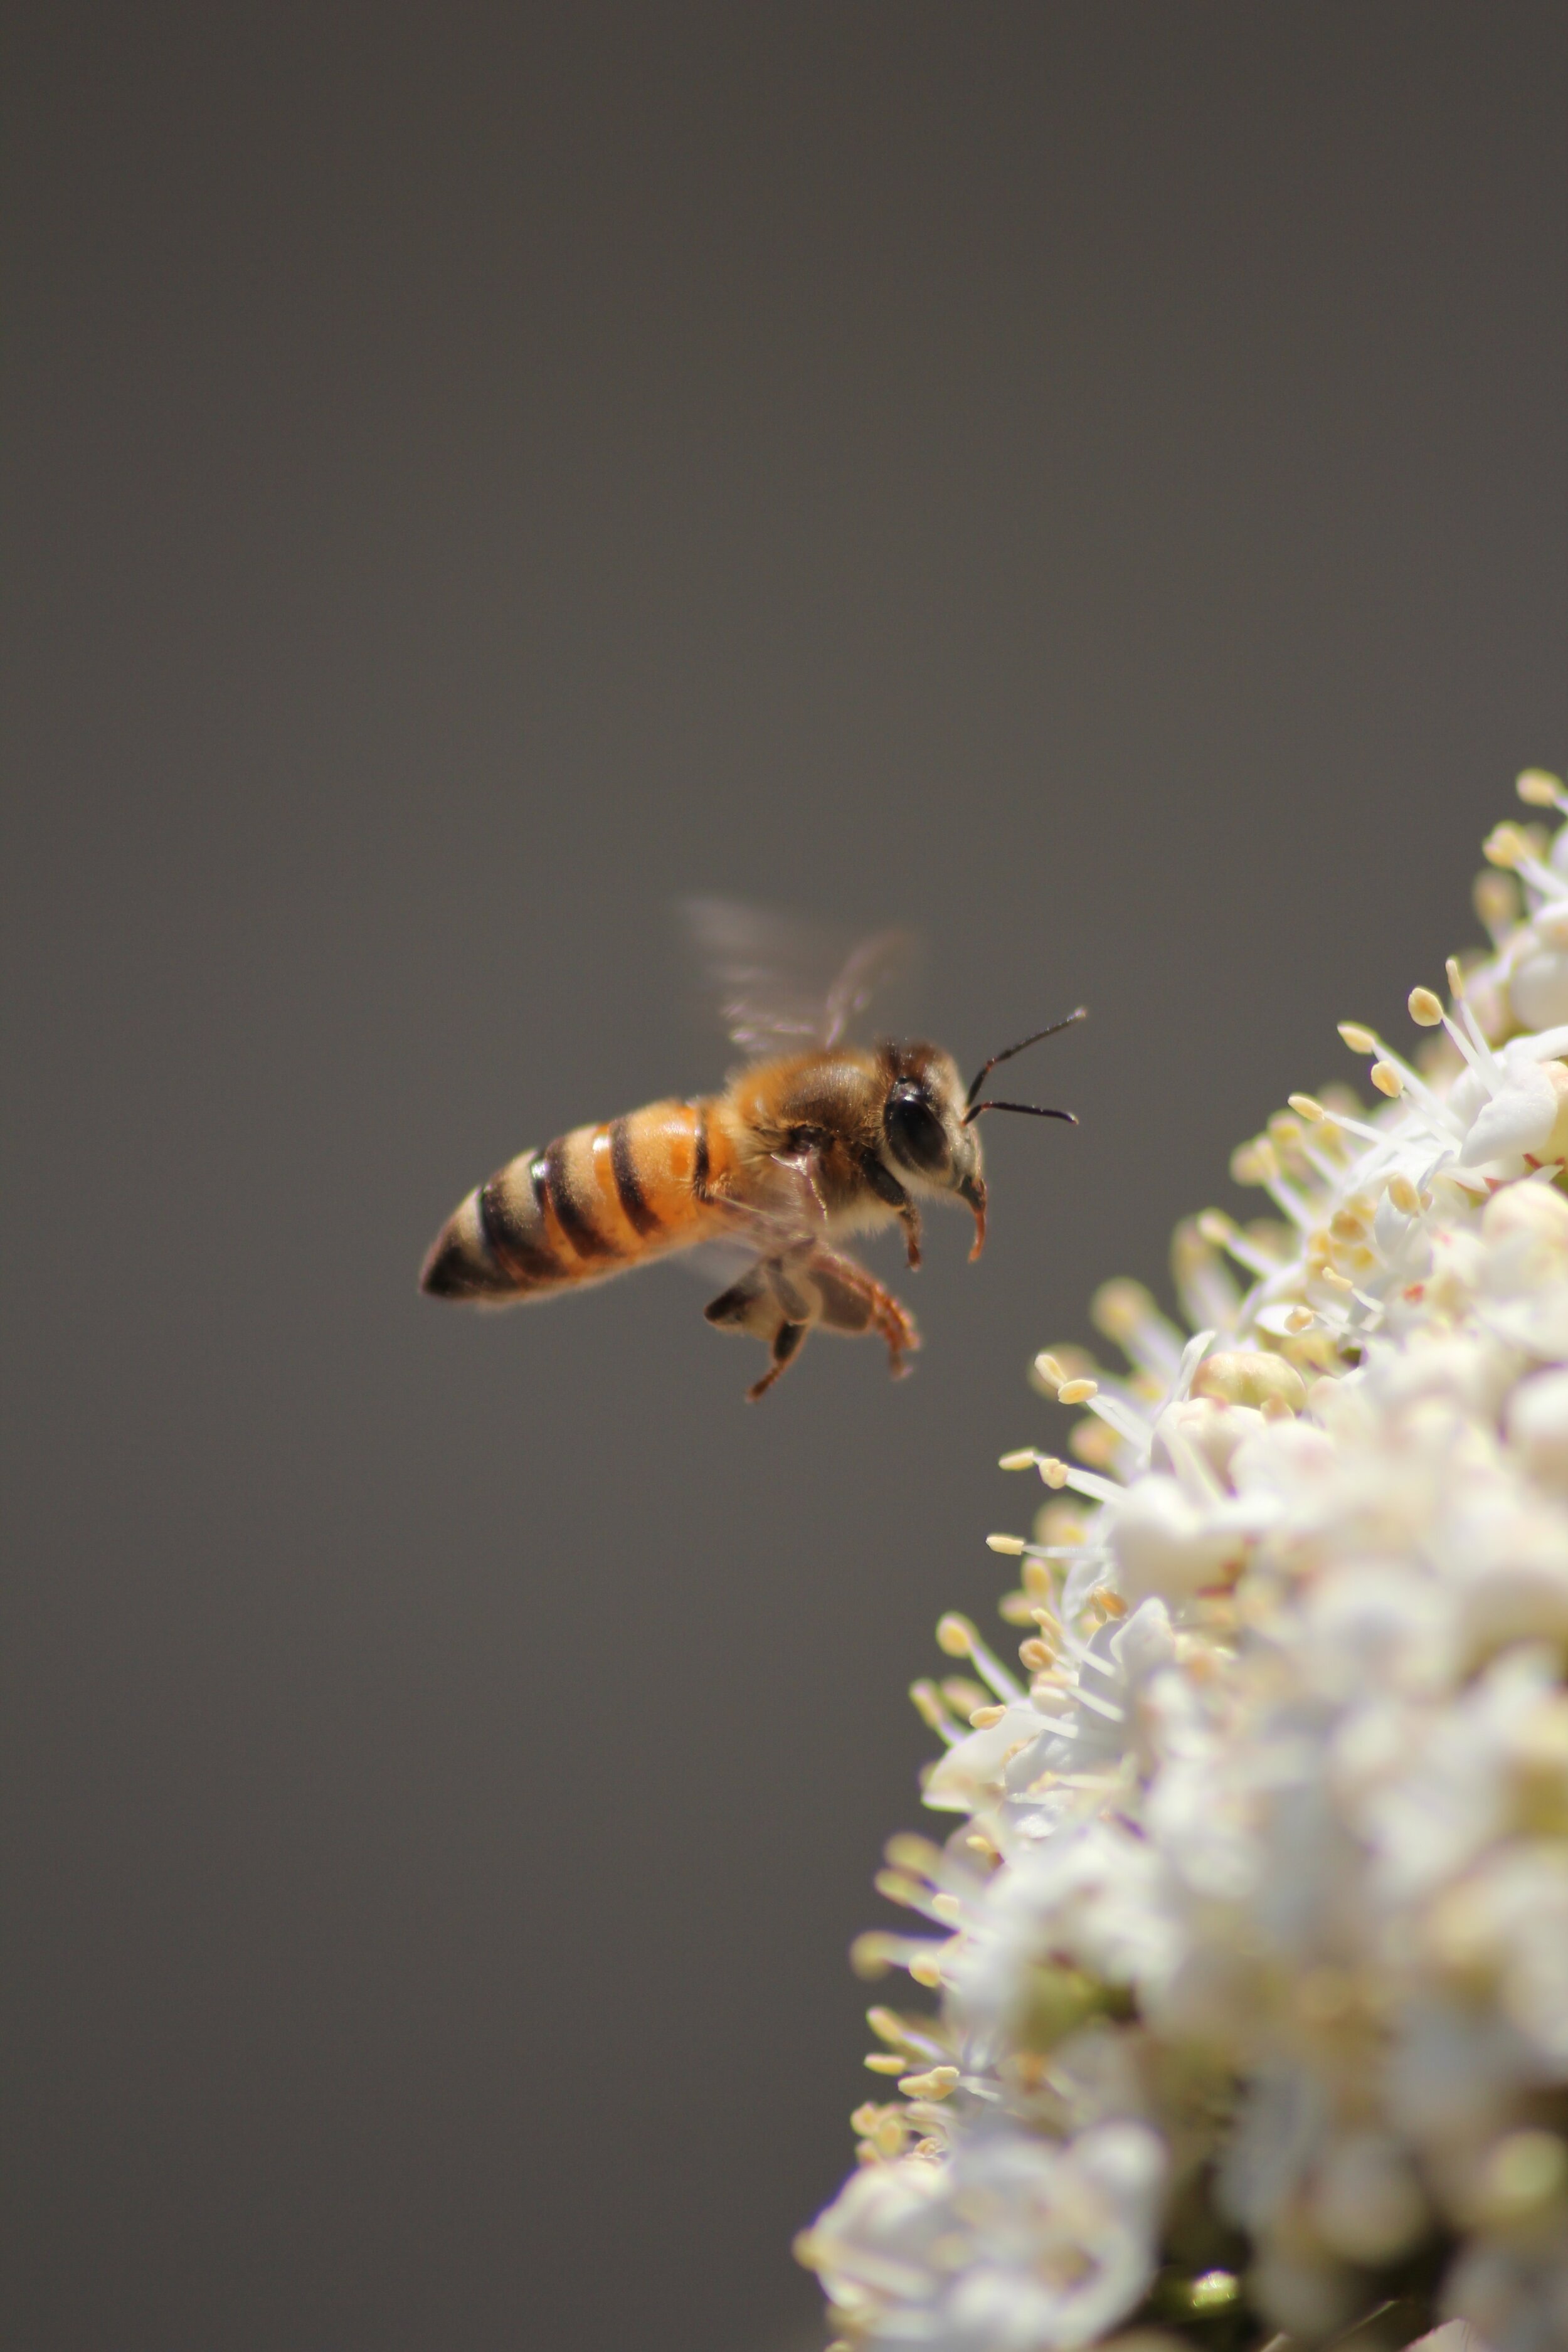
(1252, 1937)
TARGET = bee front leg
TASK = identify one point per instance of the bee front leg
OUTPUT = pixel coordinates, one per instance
(886, 1187)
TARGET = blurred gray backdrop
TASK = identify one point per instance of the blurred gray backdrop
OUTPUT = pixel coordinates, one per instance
(1085, 481)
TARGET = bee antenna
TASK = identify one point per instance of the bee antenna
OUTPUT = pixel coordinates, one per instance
(1035, 1110)
(972, 1109)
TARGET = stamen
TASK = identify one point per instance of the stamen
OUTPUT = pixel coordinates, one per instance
(1386, 1079)
(1359, 1040)
(1538, 788)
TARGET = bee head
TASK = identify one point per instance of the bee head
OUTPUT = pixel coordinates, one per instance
(928, 1120)
(926, 1140)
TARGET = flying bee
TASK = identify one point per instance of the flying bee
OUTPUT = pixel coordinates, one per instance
(811, 1140)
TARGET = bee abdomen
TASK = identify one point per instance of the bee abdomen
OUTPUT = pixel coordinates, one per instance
(590, 1204)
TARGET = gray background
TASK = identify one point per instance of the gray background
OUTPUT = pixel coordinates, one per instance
(1086, 481)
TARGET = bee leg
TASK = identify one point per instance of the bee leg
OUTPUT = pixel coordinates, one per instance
(786, 1345)
(886, 1187)
(767, 1303)
(853, 1301)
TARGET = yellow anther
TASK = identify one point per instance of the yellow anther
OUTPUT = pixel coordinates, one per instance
(865, 2119)
(1506, 845)
(1359, 1040)
(907, 1850)
(1119, 1306)
(1215, 1228)
(1387, 1079)
(1110, 1601)
(926, 1970)
(1053, 1472)
(884, 2062)
(886, 2025)
(1426, 1010)
(985, 1718)
(1244, 1165)
(1336, 1281)
(1456, 978)
(937, 2082)
(896, 1887)
(1301, 1318)
(1012, 1546)
(1405, 1196)
(1306, 1107)
(1077, 1391)
(1538, 788)
(889, 2137)
(1034, 1654)
(1250, 1376)
(1048, 1370)
(872, 1954)
(927, 1704)
(1020, 1458)
(955, 1634)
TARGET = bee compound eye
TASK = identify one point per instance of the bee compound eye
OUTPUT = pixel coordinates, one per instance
(914, 1131)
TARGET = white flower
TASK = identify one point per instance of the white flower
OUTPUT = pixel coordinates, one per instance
(1014, 2246)
(1253, 1930)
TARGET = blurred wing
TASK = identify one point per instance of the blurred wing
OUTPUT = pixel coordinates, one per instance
(784, 985)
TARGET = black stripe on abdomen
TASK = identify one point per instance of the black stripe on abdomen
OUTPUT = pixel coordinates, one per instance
(550, 1176)
(517, 1249)
(628, 1191)
(700, 1165)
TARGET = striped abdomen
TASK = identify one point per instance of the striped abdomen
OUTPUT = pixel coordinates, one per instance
(591, 1203)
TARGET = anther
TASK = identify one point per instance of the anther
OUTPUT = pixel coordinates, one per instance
(938, 2082)
(1359, 1040)
(884, 2062)
(985, 1718)
(1035, 1654)
(1077, 1391)
(1301, 1318)
(1538, 788)
(1020, 1458)
(1387, 1079)
(956, 1635)
(1012, 1546)
(1048, 1370)
(925, 1971)
(1506, 845)
(1306, 1107)
(1052, 1471)
(1405, 1196)
(1426, 1010)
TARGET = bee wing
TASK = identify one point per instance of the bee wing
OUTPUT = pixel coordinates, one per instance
(784, 985)
(784, 1217)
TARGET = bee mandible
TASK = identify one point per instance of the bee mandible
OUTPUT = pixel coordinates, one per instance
(803, 1147)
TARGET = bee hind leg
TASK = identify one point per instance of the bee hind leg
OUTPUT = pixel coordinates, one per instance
(786, 1346)
(766, 1304)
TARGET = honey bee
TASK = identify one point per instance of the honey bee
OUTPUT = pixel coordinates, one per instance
(803, 1146)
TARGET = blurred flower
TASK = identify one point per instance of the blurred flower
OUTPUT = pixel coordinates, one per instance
(1252, 1935)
